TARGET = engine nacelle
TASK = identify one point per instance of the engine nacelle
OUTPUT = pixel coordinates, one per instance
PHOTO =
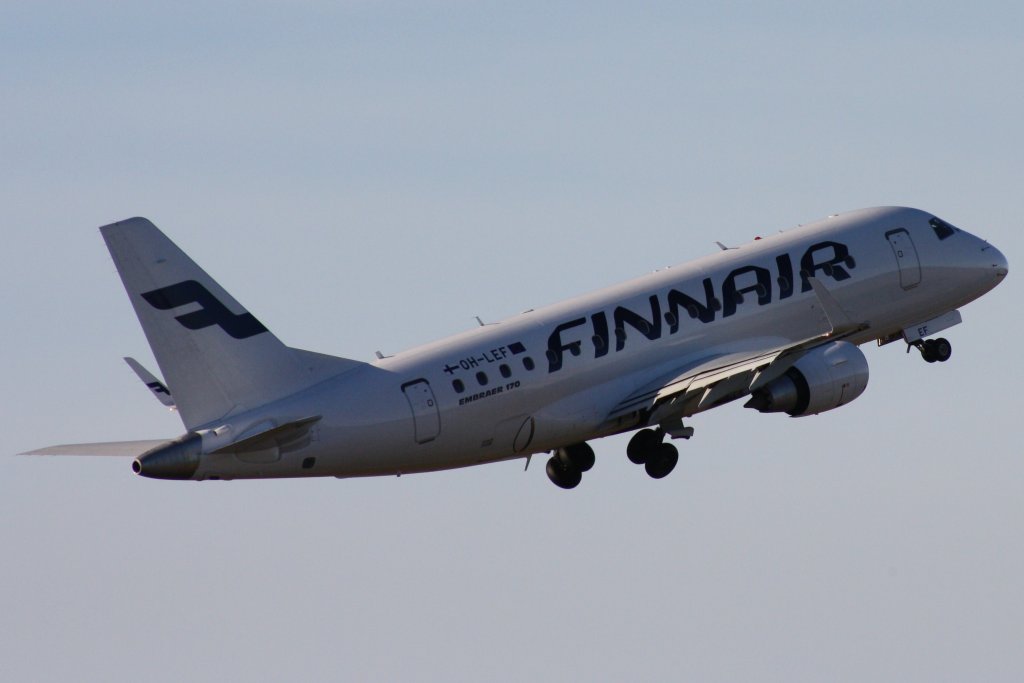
(825, 378)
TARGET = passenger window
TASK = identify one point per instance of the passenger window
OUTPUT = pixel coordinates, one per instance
(482, 378)
(528, 363)
(505, 371)
(458, 386)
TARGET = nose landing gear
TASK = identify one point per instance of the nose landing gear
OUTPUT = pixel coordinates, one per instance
(934, 350)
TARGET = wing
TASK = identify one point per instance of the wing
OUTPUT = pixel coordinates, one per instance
(720, 378)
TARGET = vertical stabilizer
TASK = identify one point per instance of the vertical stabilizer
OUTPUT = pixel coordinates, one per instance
(215, 356)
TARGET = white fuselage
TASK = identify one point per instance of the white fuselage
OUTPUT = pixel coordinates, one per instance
(551, 377)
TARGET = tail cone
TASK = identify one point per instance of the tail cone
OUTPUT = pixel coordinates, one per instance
(178, 460)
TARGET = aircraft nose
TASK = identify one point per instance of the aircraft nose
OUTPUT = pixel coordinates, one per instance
(997, 260)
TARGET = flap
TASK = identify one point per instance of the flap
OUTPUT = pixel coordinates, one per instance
(698, 378)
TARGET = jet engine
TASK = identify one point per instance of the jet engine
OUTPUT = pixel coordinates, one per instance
(823, 379)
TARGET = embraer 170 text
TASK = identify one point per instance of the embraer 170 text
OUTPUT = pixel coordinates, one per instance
(778, 321)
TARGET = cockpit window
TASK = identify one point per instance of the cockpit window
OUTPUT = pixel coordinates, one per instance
(942, 228)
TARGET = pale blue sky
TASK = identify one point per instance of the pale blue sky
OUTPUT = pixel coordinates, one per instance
(369, 176)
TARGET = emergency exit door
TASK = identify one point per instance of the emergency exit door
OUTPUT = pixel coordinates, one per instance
(906, 257)
(425, 415)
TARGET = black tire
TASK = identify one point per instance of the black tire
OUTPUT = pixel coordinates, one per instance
(942, 349)
(662, 461)
(581, 455)
(641, 446)
(928, 351)
(561, 475)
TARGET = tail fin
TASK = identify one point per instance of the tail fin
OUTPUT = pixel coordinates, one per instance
(215, 356)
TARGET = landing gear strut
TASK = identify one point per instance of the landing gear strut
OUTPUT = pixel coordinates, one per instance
(566, 467)
(646, 448)
(934, 350)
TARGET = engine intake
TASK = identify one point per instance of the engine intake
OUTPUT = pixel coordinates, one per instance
(827, 377)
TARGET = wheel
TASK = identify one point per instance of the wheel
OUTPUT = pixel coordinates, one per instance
(942, 349)
(662, 461)
(563, 475)
(580, 455)
(641, 445)
(928, 351)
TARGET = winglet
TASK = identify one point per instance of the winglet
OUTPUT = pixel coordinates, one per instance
(837, 317)
(158, 388)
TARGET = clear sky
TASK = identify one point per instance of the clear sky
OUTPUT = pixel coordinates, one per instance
(371, 175)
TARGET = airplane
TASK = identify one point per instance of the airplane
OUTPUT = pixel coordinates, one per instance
(777, 321)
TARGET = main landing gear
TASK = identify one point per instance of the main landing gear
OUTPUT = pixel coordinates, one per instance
(647, 448)
(933, 350)
(567, 465)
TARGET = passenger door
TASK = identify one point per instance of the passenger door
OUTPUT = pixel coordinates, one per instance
(425, 415)
(906, 257)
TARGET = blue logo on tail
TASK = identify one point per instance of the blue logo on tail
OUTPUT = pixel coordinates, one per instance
(211, 310)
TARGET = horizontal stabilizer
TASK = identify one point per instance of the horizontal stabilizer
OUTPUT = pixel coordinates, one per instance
(158, 388)
(129, 449)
